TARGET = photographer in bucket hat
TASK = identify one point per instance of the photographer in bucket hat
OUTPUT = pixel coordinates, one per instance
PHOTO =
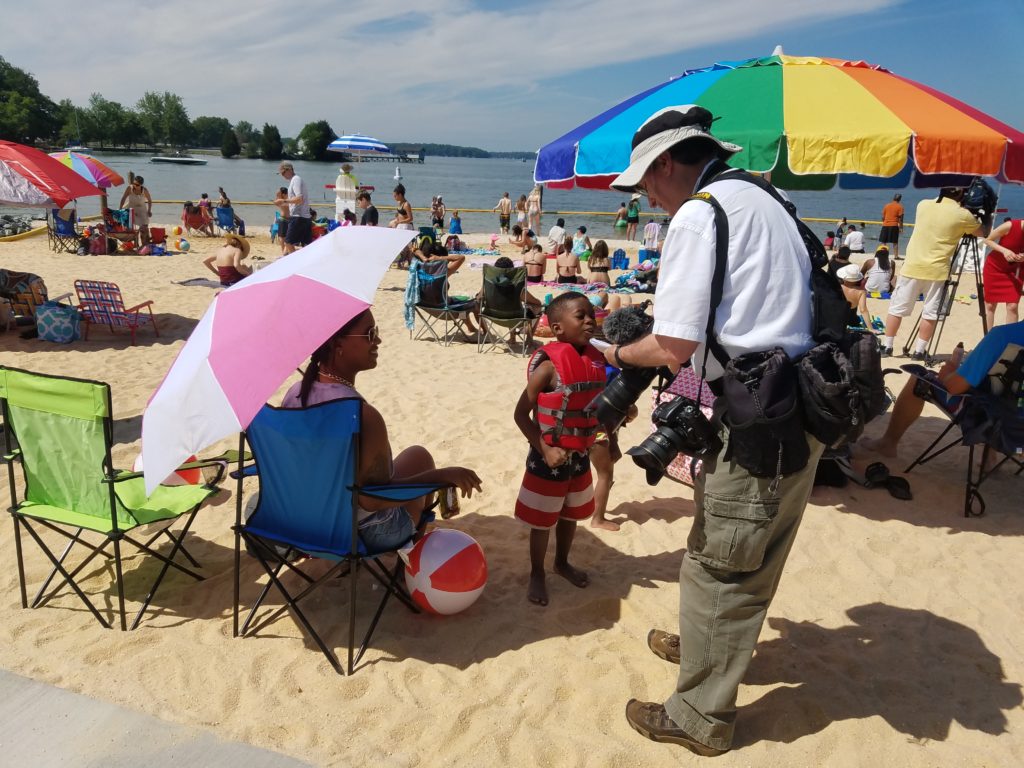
(744, 525)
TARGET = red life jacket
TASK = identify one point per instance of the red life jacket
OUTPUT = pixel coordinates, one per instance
(560, 413)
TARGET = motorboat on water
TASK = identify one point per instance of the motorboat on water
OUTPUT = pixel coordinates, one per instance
(179, 159)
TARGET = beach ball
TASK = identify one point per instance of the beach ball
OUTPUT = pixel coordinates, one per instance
(176, 231)
(446, 571)
(181, 477)
(183, 245)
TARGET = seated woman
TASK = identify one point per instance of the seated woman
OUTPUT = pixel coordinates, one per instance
(196, 219)
(522, 239)
(227, 264)
(536, 264)
(878, 272)
(437, 252)
(599, 263)
(568, 263)
(840, 260)
(330, 375)
(852, 281)
(581, 244)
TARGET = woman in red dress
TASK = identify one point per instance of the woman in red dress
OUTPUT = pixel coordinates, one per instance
(1003, 274)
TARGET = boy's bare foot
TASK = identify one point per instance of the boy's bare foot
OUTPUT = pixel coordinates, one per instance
(879, 445)
(603, 524)
(537, 592)
(574, 576)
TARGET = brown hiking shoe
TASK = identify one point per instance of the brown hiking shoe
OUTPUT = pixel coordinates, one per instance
(664, 644)
(651, 720)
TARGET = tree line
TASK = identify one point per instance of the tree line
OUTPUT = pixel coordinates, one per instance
(28, 116)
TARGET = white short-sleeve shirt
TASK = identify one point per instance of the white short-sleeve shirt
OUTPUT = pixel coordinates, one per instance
(766, 299)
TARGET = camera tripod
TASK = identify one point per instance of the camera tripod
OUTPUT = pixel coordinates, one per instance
(966, 250)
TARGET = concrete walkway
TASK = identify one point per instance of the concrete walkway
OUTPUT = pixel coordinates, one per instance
(44, 727)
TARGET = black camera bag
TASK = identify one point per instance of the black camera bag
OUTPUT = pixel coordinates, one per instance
(848, 390)
(763, 413)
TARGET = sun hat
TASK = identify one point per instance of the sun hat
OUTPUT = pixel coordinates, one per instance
(636, 196)
(850, 273)
(663, 130)
(241, 242)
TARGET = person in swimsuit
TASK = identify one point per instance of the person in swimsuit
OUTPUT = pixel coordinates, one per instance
(403, 218)
(536, 263)
(533, 205)
(227, 264)
(525, 241)
(330, 375)
(568, 263)
(140, 203)
(521, 211)
(599, 263)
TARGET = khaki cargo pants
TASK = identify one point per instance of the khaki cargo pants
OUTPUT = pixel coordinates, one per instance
(741, 536)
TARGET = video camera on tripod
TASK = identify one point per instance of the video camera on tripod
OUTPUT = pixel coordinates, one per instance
(981, 200)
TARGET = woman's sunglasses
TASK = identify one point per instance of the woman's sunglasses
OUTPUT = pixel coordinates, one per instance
(373, 334)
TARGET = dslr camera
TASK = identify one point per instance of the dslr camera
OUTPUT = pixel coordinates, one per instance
(679, 426)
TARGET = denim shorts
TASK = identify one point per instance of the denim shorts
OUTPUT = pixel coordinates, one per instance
(386, 529)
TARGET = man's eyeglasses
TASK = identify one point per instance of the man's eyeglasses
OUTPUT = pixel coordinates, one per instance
(373, 334)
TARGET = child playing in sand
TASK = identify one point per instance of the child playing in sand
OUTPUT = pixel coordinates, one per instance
(557, 490)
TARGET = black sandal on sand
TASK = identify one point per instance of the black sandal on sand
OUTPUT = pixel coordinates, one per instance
(877, 475)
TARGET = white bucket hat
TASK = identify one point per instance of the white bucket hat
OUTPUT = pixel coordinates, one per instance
(850, 273)
(663, 130)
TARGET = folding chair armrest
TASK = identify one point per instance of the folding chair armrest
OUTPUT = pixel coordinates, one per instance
(200, 464)
(14, 454)
(137, 307)
(399, 491)
(63, 296)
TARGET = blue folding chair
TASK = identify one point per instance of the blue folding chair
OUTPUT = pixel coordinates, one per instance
(306, 462)
(225, 219)
(62, 230)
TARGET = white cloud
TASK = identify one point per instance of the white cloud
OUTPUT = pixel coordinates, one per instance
(289, 65)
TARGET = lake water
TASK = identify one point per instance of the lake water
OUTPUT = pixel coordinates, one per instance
(463, 182)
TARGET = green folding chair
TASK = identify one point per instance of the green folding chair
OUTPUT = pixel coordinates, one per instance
(64, 433)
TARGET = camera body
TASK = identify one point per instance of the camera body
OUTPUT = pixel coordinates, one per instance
(679, 426)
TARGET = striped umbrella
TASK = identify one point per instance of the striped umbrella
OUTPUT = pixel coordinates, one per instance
(811, 122)
(89, 168)
(356, 143)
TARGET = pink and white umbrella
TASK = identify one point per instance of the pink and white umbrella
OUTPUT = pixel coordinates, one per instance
(254, 335)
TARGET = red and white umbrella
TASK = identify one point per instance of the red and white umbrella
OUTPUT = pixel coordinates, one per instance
(31, 178)
(253, 337)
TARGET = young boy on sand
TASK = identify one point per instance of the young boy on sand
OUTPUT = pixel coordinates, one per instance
(557, 490)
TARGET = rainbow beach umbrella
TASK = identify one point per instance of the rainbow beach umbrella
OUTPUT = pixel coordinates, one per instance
(811, 122)
(89, 168)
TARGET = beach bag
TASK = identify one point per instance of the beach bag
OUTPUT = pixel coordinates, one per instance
(57, 322)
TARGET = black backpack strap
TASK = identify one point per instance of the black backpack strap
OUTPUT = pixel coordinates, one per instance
(815, 249)
(717, 281)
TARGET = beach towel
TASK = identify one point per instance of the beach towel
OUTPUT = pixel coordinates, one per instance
(475, 252)
(412, 297)
(203, 281)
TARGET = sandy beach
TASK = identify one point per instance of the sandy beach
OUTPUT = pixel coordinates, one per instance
(894, 638)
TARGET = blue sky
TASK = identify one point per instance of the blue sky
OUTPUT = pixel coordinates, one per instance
(498, 75)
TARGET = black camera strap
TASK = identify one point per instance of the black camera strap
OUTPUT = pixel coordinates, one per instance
(815, 250)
